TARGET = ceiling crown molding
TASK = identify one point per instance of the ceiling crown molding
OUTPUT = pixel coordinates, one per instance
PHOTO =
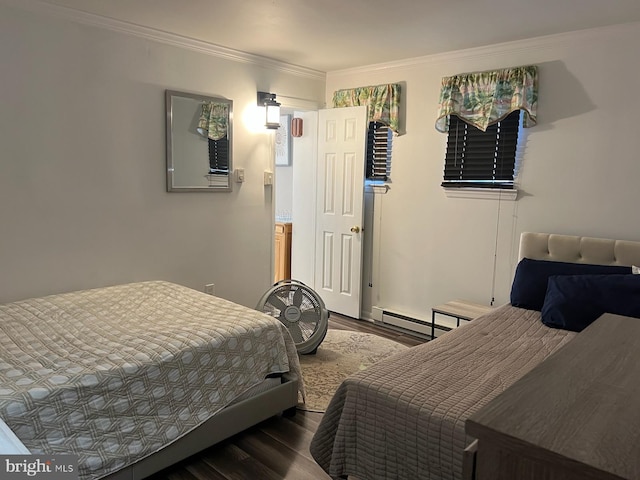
(37, 6)
(552, 41)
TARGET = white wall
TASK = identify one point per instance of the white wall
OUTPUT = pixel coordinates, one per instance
(83, 199)
(284, 192)
(82, 158)
(579, 175)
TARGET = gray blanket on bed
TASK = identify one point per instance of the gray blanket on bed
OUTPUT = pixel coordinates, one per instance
(403, 418)
(114, 374)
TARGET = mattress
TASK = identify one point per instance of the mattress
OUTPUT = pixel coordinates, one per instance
(115, 374)
(403, 418)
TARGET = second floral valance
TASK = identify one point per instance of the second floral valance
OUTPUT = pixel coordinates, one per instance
(484, 98)
(383, 102)
(214, 120)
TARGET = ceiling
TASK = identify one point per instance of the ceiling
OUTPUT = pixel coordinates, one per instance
(329, 35)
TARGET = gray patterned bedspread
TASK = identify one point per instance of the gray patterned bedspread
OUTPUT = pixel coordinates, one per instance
(114, 374)
(403, 418)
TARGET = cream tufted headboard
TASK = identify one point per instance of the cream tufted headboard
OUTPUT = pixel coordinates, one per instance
(567, 248)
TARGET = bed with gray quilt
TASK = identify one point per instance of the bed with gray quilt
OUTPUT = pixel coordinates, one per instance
(404, 417)
(115, 375)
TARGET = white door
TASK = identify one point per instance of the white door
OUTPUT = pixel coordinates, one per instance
(339, 208)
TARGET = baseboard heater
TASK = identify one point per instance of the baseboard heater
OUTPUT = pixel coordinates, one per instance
(411, 323)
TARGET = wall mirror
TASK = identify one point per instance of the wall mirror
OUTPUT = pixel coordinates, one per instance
(198, 142)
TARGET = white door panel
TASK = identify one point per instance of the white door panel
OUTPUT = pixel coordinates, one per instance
(340, 190)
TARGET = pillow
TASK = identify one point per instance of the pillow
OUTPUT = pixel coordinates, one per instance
(573, 302)
(635, 270)
(530, 282)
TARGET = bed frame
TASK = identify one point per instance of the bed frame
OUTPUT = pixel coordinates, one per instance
(573, 249)
(398, 407)
(567, 248)
(228, 422)
(275, 396)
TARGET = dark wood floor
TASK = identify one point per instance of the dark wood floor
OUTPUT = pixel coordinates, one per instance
(277, 448)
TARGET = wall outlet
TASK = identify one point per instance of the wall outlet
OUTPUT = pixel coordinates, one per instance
(210, 288)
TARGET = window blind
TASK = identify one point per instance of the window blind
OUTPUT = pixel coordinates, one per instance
(219, 156)
(379, 138)
(481, 159)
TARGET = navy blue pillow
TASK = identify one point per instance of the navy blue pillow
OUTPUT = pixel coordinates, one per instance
(573, 302)
(530, 282)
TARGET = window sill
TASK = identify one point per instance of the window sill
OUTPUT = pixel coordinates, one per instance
(380, 188)
(482, 193)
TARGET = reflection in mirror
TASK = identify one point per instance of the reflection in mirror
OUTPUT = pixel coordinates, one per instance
(198, 142)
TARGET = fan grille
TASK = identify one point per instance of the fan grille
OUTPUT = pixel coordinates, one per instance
(294, 306)
(301, 310)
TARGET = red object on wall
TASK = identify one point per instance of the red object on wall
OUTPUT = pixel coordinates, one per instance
(296, 127)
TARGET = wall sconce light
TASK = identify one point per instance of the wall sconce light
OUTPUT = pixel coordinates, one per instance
(272, 108)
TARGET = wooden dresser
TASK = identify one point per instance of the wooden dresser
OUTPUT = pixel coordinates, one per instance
(282, 251)
(575, 416)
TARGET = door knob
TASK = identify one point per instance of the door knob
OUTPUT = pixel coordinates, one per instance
(355, 229)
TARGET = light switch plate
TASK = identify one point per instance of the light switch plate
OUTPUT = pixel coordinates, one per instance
(239, 175)
(268, 177)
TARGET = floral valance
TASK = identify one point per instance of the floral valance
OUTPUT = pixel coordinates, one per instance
(383, 102)
(484, 98)
(214, 120)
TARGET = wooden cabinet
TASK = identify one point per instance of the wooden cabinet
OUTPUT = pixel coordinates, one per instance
(575, 416)
(282, 252)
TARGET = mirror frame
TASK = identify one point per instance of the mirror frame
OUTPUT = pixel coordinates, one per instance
(171, 161)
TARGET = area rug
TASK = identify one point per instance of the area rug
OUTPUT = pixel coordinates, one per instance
(341, 354)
